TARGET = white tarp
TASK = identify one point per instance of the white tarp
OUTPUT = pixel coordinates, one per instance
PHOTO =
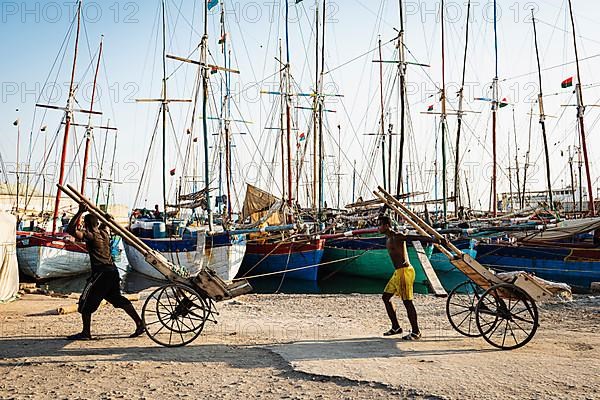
(9, 270)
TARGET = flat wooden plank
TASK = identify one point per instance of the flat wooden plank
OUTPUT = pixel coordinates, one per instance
(434, 281)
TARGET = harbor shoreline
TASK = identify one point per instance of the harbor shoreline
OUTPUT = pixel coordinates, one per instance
(295, 346)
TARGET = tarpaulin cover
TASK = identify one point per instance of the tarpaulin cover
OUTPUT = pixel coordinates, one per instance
(9, 270)
(563, 231)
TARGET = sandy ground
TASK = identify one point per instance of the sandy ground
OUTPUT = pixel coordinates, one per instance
(296, 347)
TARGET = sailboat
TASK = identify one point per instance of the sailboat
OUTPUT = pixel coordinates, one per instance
(53, 254)
(189, 243)
(282, 251)
(366, 255)
(568, 252)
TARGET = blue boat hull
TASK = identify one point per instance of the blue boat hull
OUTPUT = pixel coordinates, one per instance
(574, 266)
(292, 261)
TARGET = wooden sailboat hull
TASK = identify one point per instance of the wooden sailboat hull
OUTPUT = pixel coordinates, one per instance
(578, 267)
(44, 256)
(221, 252)
(368, 257)
(289, 260)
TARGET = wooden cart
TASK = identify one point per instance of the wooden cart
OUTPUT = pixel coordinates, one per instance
(503, 313)
(174, 314)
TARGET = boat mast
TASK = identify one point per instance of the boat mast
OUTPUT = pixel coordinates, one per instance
(580, 112)
(287, 106)
(353, 180)
(164, 110)
(339, 172)
(572, 178)
(510, 185)
(315, 112)
(460, 115)
(579, 165)
(542, 116)
(443, 124)
(527, 157)
(320, 103)
(494, 117)
(88, 129)
(100, 169)
(282, 122)
(402, 87)
(204, 60)
(382, 117)
(18, 124)
(227, 59)
(517, 158)
(68, 117)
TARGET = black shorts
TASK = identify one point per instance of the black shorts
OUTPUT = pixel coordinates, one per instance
(102, 286)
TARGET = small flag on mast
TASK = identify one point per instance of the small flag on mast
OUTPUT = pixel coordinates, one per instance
(172, 172)
(430, 108)
(212, 4)
(302, 137)
(503, 103)
(567, 82)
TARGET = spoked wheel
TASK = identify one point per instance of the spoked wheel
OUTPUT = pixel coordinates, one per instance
(460, 308)
(510, 312)
(174, 315)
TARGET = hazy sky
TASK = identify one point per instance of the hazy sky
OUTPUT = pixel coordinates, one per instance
(32, 34)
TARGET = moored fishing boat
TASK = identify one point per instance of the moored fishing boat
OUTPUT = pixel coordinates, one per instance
(223, 252)
(367, 257)
(569, 253)
(180, 232)
(294, 259)
(43, 256)
(53, 254)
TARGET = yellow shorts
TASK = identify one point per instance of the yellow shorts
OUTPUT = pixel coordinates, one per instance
(401, 283)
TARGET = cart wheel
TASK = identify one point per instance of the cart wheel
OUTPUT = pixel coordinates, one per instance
(460, 308)
(174, 315)
(506, 316)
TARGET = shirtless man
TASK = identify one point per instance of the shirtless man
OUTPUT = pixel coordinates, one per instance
(401, 282)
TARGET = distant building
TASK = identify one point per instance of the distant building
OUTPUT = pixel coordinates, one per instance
(566, 199)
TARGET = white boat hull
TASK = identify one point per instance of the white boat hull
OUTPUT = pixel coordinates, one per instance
(224, 260)
(46, 262)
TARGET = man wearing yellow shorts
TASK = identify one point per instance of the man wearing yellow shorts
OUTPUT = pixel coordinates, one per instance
(401, 282)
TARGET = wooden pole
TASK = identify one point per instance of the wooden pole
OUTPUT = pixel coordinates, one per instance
(580, 112)
(287, 107)
(517, 159)
(457, 201)
(88, 130)
(68, 117)
(542, 116)
(443, 124)
(494, 119)
(320, 104)
(402, 87)
(204, 55)
(572, 177)
(164, 110)
(282, 122)
(382, 117)
(316, 115)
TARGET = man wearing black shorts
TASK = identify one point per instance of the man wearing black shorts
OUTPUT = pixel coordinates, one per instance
(104, 284)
